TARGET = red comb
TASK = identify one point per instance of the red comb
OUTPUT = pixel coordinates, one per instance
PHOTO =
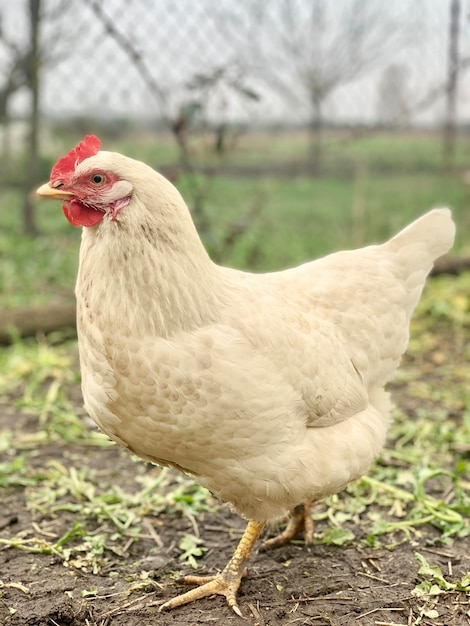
(67, 164)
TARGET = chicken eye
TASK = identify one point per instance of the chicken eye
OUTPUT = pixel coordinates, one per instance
(98, 179)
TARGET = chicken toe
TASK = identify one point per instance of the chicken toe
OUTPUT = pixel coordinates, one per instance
(228, 581)
(300, 521)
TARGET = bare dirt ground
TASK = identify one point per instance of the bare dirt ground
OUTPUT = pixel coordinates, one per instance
(291, 585)
(349, 585)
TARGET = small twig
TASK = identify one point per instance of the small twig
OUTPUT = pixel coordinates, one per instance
(129, 542)
(380, 608)
(152, 532)
(123, 607)
(256, 614)
(193, 522)
(320, 598)
(294, 608)
(447, 555)
(381, 580)
(18, 586)
(375, 565)
(40, 531)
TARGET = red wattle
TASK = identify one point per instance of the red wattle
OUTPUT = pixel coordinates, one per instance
(80, 215)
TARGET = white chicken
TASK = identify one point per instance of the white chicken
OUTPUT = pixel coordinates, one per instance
(267, 388)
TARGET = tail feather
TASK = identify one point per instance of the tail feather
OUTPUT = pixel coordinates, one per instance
(431, 235)
(407, 259)
(415, 249)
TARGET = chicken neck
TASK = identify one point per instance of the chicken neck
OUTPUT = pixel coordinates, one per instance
(149, 279)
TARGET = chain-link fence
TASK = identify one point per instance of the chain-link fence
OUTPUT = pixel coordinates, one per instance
(195, 66)
(281, 61)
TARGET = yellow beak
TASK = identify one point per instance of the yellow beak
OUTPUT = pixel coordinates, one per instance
(46, 191)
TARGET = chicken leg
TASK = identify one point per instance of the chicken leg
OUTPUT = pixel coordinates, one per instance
(300, 520)
(228, 581)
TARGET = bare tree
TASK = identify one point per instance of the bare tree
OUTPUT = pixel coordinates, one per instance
(32, 70)
(13, 78)
(307, 50)
(204, 89)
(393, 95)
(453, 65)
(23, 59)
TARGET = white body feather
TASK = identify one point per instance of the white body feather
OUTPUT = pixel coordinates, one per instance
(267, 388)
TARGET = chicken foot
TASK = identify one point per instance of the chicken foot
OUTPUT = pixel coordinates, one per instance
(300, 521)
(228, 581)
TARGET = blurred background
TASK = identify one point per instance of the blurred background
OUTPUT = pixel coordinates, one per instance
(292, 127)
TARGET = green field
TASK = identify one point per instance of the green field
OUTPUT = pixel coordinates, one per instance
(365, 190)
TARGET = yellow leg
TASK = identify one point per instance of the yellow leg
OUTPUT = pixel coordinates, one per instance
(300, 520)
(228, 581)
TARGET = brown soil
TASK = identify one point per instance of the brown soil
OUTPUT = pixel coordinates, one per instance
(296, 584)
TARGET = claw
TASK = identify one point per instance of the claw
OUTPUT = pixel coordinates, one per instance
(225, 583)
(209, 585)
(300, 521)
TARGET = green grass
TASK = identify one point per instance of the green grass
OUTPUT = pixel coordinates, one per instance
(405, 150)
(35, 270)
(422, 477)
(305, 218)
(343, 150)
(370, 188)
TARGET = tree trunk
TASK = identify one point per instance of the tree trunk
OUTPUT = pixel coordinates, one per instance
(5, 148)
(316, 132)
(449, 137)
(220, 138)
(32, 169)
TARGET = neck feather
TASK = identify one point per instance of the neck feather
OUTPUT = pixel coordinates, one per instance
(148, 277)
